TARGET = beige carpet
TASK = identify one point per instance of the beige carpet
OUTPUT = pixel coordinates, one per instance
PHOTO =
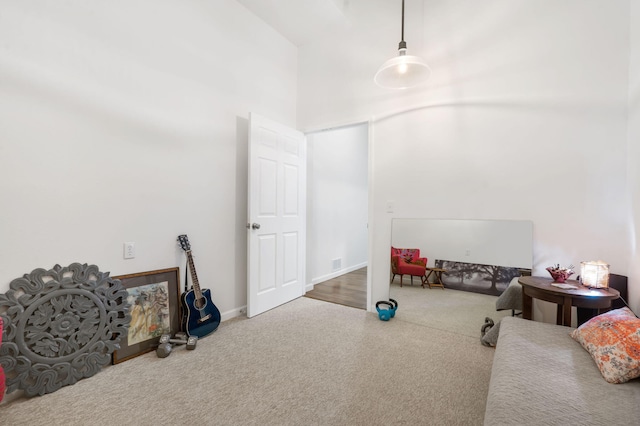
(460, 312)
(305, 363)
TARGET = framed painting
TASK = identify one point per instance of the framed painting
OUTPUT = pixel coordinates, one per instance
(155, 310)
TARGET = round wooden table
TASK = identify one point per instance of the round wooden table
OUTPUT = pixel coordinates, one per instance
(581, 296)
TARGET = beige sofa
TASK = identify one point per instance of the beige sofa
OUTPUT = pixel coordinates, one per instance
(541, 376)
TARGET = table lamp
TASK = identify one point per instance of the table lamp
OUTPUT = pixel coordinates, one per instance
(594, 274)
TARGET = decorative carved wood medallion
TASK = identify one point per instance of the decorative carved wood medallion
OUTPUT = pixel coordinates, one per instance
(61, 325)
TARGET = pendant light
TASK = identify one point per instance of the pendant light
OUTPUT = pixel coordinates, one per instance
(402, 71)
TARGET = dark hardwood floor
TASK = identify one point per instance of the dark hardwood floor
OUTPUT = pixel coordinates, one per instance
(348, 289)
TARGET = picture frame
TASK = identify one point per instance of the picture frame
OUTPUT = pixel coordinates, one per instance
(155, 310)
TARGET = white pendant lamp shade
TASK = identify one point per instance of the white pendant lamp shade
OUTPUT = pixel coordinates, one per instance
(402, 71)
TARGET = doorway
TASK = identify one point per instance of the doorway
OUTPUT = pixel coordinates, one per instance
(349, 289)
(337, 213)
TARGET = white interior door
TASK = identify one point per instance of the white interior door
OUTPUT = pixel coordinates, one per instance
(277, 214)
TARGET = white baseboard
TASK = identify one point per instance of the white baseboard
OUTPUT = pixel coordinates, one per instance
(332, 275)
(237, 312)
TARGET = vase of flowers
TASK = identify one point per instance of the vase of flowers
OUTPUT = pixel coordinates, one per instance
(559, 274)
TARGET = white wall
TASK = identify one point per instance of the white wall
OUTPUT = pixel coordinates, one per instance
(128, 122)
(337, 208)
(634, 154)
(524, 118)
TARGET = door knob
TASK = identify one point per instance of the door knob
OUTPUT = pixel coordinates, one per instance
(255, 226)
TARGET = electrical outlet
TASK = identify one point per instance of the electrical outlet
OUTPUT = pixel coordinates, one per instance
(129, 250)
(243, 311)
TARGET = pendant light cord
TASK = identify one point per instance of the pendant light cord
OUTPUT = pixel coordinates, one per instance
(402, 33)
(403, 44)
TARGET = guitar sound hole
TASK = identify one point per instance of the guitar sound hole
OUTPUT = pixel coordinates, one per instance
(200, 303)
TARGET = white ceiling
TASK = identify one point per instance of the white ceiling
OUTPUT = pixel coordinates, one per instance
(300, 21)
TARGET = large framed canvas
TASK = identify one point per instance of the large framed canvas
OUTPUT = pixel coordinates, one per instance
(478, 278)
(155, 310)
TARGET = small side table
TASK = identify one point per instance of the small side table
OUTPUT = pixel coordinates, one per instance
(437, 272)
(581, 296)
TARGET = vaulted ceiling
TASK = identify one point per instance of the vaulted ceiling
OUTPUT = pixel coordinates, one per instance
(300, 21)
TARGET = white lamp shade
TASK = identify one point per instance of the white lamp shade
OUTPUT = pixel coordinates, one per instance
(402, 72)
(595, 274)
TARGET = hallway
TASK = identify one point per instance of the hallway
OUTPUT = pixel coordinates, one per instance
(348, 289)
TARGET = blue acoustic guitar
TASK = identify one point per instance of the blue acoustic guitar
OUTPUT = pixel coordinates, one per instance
(200, 316)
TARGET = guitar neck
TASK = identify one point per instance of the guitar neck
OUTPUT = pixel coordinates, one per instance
(194, 276)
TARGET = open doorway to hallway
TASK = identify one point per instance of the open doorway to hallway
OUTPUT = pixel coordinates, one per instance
(348, 289)
(337, 210)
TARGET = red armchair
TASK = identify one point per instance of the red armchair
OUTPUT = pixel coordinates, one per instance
(407, 262)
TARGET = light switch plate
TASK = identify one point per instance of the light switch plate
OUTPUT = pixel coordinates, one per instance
(390, 206)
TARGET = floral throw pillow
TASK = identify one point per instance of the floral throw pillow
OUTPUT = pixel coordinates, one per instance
(613, 340)
(1, 370)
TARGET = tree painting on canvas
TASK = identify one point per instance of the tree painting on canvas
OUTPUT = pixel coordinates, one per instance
(487, 279)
